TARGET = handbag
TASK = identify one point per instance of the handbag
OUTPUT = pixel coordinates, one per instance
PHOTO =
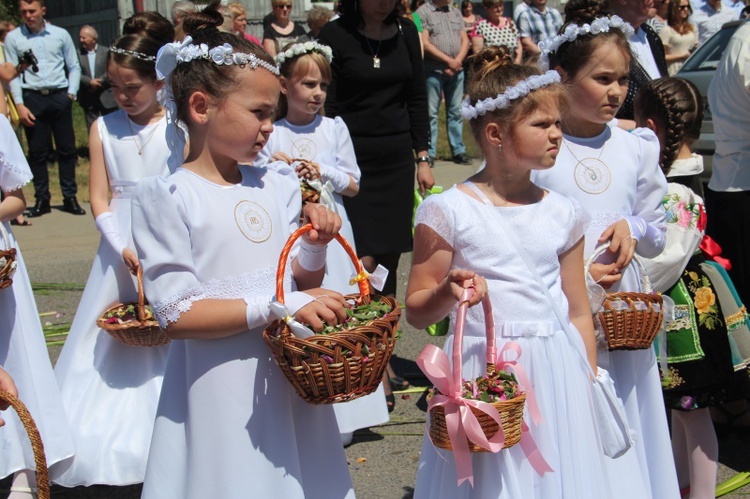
(614, 433)
(13, 116)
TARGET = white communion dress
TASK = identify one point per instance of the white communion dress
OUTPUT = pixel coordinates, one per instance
(327, 142)
(23, 351)
(229, 424)
(567, 436)
(616, 175)
(110, 391)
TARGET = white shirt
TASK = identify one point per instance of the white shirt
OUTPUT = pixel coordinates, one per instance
(729, 99)
(642, 51)
(91, 55)
(709, 21)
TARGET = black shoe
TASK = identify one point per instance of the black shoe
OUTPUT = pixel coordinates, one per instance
(71, 206)
(462, 159)
(40, 208)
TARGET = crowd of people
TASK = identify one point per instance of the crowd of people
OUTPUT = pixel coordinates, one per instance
(200, 136)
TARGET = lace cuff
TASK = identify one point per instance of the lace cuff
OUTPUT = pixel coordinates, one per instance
(12, 177)
(258, 283)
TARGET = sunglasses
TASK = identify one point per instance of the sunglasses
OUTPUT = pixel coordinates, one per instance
(684, 7)
(284, 6)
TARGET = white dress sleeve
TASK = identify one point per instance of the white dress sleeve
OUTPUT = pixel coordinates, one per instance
(437, 217)
(579, 223)
(161, 232)
(14, 169)
(346, 160)
(684, 211)
(648, 218)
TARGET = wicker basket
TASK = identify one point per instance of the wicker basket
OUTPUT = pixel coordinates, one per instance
(633, 327)
(42, 475)
(7, 259)
(138, 333)
(510, 411)
(349, 375)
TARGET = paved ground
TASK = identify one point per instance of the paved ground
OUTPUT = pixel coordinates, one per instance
(59, 248)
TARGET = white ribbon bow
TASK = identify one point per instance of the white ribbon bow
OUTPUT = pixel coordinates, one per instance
(377, 277)
(298, 330)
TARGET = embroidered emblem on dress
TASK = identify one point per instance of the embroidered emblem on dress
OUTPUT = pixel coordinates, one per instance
(304, 148)
(592, 175)
(253, 221)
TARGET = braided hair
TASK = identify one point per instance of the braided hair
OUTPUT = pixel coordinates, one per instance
(676, 106)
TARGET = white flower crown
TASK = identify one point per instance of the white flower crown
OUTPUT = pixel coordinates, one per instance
(132, 53)
(172, 54)
(299, 49)
(573, 31)
(520, 89)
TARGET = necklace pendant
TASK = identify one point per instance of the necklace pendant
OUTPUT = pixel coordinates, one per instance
(376, 62)
(140, 153)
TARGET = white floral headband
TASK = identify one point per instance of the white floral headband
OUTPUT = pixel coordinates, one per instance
(299, 49)
(172, 54)
(133, 53)
(573, 31)
(520, 89)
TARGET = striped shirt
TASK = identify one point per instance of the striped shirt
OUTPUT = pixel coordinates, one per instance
(537, 25)
(444, 29)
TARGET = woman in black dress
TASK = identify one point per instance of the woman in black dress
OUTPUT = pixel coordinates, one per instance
(378, 89)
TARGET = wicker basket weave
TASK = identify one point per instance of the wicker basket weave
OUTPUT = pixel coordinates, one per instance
(510, 411)
(7, 259)
(634, 327)
(137, 333)
(348, 374)
(42, 475)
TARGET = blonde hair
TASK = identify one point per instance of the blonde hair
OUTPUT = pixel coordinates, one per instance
(296, 68)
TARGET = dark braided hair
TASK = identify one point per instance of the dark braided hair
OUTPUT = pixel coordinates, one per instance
(492, 71)
(676, 106)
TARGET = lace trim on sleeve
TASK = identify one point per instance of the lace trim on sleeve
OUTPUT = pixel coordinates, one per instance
(431, 214)
(14, 177)
(258, 283)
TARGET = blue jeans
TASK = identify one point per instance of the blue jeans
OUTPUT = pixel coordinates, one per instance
(453, 87)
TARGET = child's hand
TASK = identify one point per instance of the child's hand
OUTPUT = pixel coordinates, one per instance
(6, 385)
(326, 224)
(621, 241)
(281, 156)
(605, 274)
(327, 307)
(131, 260)
(460, 279)
(307, 170)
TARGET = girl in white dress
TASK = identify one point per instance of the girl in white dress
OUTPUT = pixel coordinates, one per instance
(229, 424)
(302, 133)
(615, 175)
(110, 390)
(458, 243)
(23, 351)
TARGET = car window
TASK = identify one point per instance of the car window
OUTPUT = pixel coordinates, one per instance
(708, 55)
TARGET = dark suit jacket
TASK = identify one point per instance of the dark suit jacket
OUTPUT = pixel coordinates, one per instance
(638, 76)
(102, 97)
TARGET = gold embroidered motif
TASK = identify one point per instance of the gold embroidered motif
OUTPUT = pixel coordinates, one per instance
(253, 221)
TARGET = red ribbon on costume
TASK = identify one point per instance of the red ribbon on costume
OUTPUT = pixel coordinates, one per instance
(460, 421)
(712, 249)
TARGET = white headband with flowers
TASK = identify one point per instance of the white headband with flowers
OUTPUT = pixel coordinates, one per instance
(520, 89)
(299, 49)
(133, 53)
(573, 31)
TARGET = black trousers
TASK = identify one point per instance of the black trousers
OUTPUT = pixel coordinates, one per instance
(54, 117)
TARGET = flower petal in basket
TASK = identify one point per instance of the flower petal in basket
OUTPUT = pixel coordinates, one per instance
(340, 366)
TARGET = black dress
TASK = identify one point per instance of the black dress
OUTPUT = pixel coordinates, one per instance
(385, 110)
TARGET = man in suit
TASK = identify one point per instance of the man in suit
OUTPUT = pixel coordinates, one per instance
(95, 95)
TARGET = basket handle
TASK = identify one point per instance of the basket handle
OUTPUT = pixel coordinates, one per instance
(42, 474)
(6, 236)
(364, 284)
(141, 297)
(458, 335)
(645, 280)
